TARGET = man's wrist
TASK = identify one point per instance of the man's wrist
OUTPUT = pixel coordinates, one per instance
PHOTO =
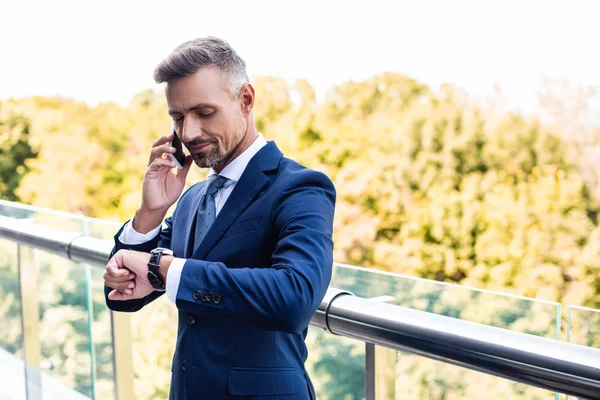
(165, 263)
(145, 221)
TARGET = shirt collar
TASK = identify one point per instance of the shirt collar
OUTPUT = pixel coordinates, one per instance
(234, 170)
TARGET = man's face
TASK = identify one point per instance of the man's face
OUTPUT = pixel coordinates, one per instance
(208, 119)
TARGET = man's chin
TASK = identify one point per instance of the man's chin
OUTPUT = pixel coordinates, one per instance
(206, 162)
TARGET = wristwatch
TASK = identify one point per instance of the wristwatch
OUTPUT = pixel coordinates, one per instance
(153, 268)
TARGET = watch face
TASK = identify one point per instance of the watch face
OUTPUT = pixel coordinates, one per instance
(163, 250)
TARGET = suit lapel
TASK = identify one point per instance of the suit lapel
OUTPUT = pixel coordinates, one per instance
(250, 184)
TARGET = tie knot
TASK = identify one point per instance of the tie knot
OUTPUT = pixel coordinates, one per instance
(215, 183)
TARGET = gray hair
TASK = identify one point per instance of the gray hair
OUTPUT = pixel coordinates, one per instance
(191, 56)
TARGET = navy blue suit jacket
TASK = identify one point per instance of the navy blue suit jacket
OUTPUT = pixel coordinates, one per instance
(248, 292)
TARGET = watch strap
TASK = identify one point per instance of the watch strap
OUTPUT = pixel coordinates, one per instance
(154, 276)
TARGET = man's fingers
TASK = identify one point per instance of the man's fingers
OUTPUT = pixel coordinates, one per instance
(159, 163)
(161, 146)
(119, 278)
(159, 151)
(121, 286)
(163, 139)
(116, 272)
(119, 296)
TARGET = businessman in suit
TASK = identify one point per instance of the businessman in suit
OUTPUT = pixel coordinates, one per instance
(247, 254)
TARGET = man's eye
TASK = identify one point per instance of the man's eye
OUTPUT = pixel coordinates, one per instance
(206, 115)
(177, 119)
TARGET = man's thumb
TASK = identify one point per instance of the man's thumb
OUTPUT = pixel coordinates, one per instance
(117, 296)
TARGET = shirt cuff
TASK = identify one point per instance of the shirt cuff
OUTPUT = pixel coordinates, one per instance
(130, 237)
(173, 277)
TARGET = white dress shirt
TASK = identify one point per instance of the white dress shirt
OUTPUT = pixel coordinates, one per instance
(233, 171)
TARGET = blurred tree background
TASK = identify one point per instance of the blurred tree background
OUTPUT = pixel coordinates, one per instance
(431, 183)
(15, 149)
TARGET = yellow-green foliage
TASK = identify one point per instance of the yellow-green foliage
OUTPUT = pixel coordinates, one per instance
(428, 184)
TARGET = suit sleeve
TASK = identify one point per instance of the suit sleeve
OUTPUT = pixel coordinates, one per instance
(285, 296)
(161, 240)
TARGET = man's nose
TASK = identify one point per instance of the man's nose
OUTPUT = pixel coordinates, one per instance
(190, 130)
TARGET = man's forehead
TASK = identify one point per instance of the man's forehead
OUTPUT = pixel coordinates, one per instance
(204, 86)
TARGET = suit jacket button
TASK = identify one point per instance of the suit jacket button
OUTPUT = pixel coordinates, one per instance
(203, 296)
(210, 296)
(191, 320)
(196, 295)
(216, 298)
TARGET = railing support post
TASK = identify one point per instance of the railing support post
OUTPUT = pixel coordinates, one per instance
(122, 355)
(30, 320)
(380, 365)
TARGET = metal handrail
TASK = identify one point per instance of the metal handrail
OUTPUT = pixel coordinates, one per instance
(549, 364)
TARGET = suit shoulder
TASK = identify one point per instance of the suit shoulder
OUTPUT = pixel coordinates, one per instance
(295, 174)
(289, 165)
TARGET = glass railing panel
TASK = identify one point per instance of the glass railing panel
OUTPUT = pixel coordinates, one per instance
(583, 326)
(71, 303)
(422, 378)
(97, 228)
(100, 229)
(336, 366)
(498, 309)
(153, 334)
(12, 369)
(104, 373)
(102, 350)
(64, 330)
(418, 377)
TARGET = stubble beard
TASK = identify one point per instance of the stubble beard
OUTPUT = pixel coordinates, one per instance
(214, 156)
(210, 158)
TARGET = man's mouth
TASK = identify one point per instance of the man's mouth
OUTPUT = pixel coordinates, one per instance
(199, 147)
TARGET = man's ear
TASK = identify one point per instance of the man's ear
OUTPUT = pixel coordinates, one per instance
(247, 98)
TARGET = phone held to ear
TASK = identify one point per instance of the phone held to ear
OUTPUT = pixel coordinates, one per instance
(179, 156)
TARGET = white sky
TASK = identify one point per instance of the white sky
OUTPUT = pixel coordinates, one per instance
(106, 50)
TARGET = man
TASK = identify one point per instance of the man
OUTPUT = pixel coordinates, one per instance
(251, 246)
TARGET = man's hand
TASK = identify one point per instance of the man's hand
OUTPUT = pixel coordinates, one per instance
(123, 265)
(161, 187)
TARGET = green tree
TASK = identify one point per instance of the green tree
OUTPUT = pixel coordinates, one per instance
(15, 151)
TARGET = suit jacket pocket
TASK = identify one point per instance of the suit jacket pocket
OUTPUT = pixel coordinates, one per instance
(244, 226)
(265, 381)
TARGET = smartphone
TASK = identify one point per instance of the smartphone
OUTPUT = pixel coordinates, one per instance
(179, 156)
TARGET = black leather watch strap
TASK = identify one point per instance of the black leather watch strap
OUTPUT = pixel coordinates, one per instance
(154, 276)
